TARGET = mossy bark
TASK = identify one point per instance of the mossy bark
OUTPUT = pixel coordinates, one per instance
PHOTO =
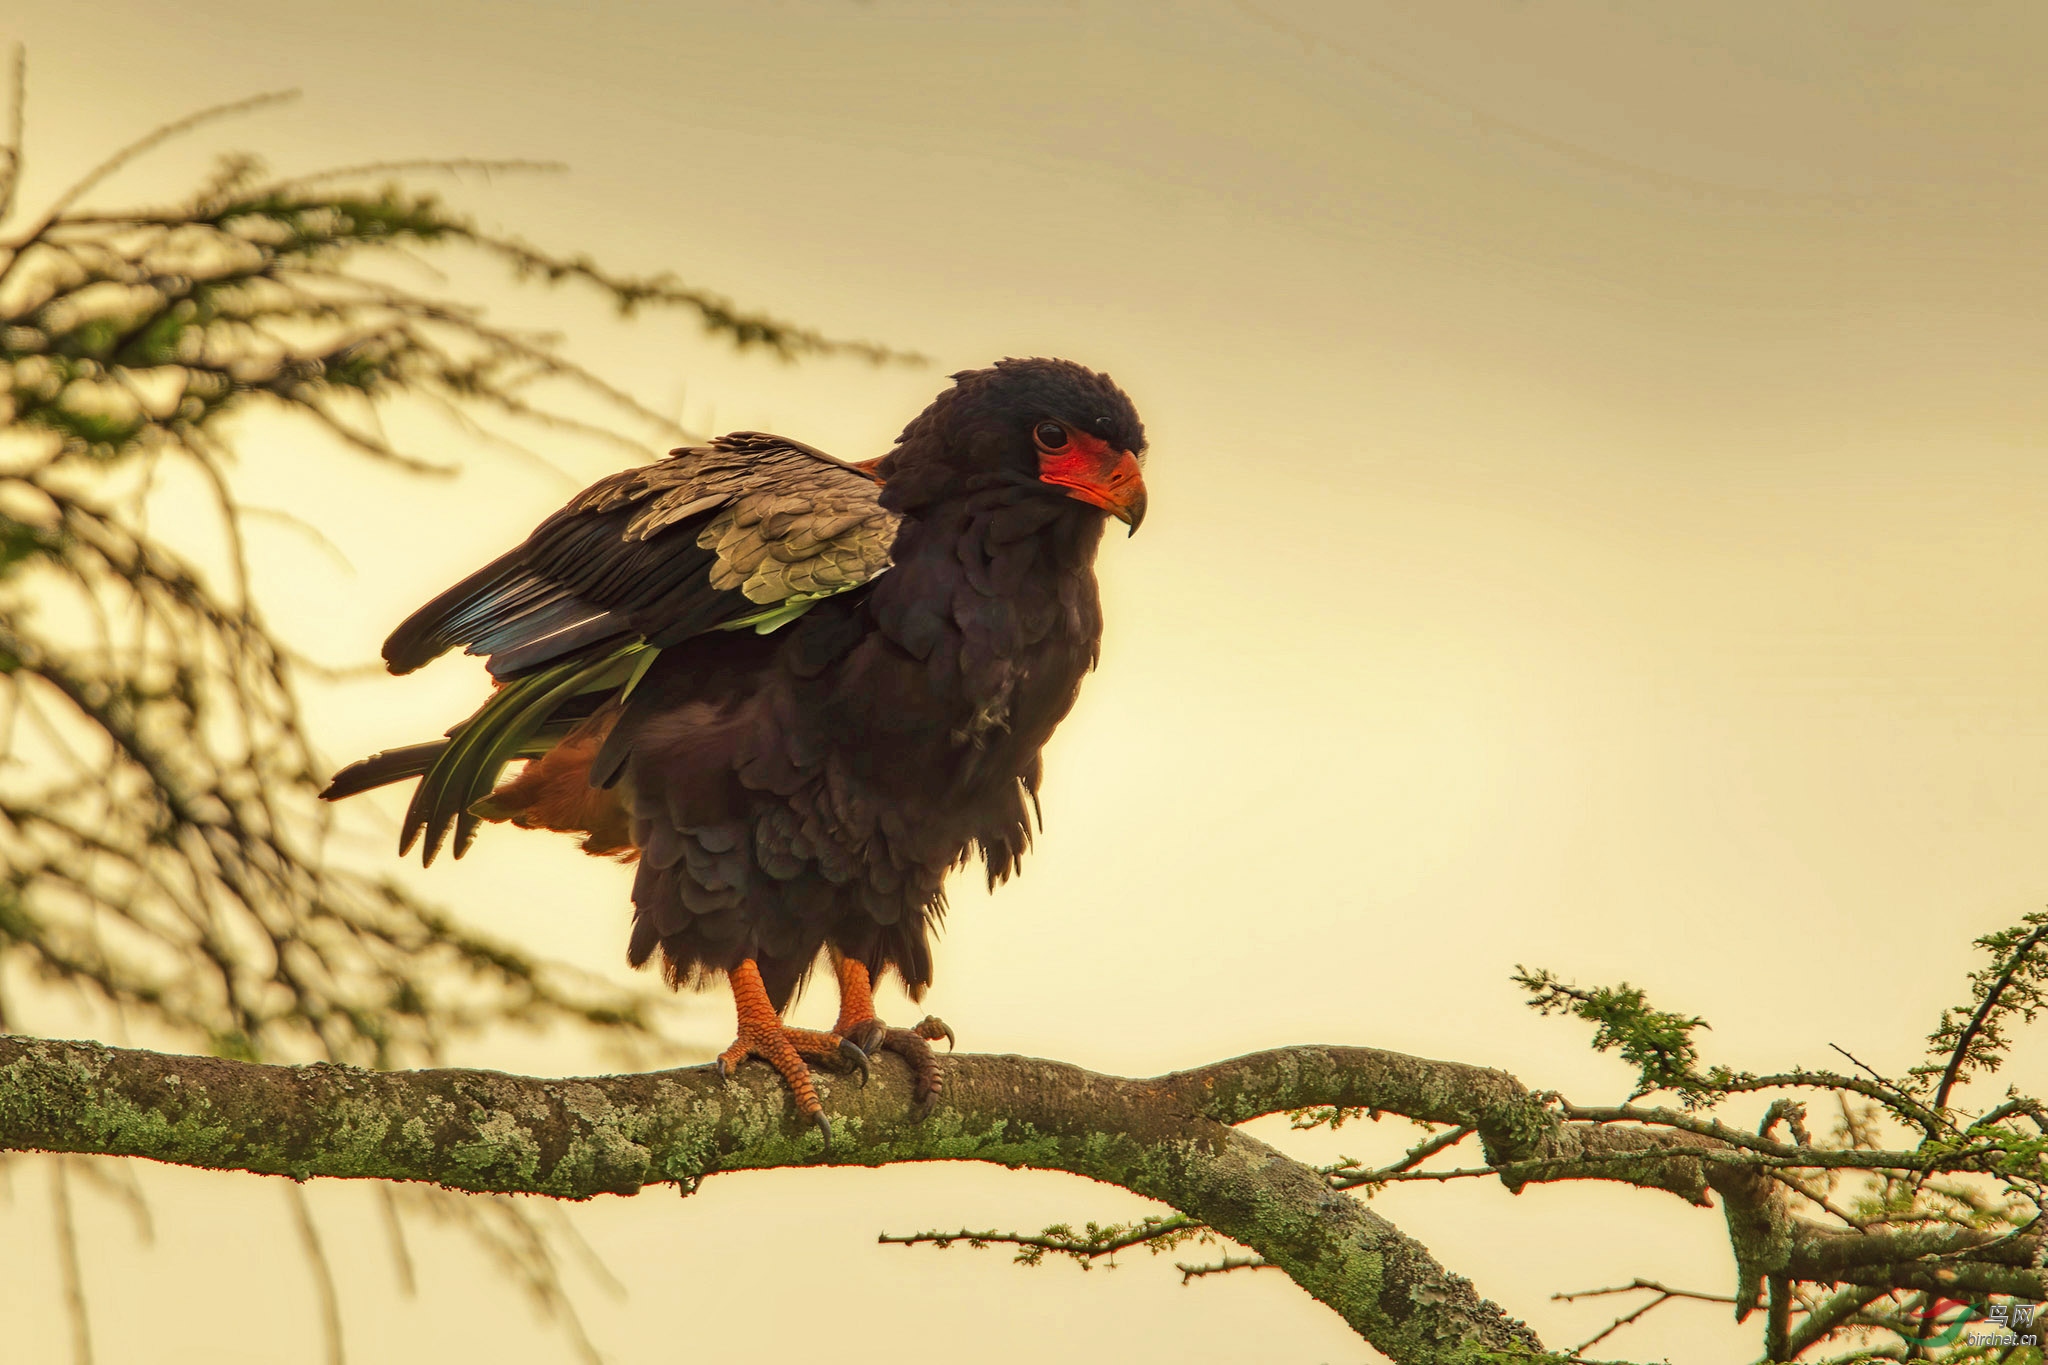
(1169, 1139)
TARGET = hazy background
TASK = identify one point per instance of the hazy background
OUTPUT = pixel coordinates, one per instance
(1597, 490)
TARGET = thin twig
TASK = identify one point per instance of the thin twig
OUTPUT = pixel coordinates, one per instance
(10, 153)
(394, 1235)
(1665, 1293)
(435, 165)
(1998, 988)
(1830, 1313)
(1095, 1242)
(1345, 1175)
(1222, 1267)
(147, 143)
(323, 1273)
(70, 1267)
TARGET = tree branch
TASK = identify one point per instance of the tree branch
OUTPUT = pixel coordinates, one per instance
(1171, 1138)
(1664, 1294)
(1168, 1139)
(1091, 1244)
(1966, 1040)
(1189, 1273)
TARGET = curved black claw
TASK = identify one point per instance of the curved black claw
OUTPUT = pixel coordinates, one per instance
(724, 1071)
(856, 1057)
(932, 1028)
(824, 1127)
(868, 1035)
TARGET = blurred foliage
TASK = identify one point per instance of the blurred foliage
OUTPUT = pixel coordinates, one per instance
(161, 848)
(161, 844)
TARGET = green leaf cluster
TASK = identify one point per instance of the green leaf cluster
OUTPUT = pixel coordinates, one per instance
(1657, 1043)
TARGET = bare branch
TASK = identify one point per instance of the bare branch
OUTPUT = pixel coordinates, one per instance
(1664, 1294)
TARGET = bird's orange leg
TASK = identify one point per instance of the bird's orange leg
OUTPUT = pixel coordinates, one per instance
(857, 1025)
(762, 1035)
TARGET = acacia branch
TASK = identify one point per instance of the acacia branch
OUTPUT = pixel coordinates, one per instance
(1171, 1138)
(1966, 1040)
(1168, 1139)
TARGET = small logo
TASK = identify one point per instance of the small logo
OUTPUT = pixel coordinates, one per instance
(2004, 1324)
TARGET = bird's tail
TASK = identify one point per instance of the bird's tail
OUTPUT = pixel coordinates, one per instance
(381, 770)
(525, 718)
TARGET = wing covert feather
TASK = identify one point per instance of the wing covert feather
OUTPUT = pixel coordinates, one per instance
(705, 539)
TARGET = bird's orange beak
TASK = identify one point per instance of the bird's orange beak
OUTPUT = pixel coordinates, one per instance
(1095, 472)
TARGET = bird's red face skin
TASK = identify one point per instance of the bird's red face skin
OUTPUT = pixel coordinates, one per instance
(1091, 470)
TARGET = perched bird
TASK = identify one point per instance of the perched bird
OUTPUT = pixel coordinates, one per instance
(798, 691)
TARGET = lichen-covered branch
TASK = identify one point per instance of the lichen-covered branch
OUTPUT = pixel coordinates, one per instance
(1166, 1139)
(1171, 1138)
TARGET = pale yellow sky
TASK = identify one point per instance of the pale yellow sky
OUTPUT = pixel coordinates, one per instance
(1597, 477)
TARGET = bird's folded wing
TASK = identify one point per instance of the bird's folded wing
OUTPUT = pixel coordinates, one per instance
(745, 532)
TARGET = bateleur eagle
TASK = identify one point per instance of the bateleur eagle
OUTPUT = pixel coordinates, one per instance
(798, 691)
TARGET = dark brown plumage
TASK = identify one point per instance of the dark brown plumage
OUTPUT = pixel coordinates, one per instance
(798, 691)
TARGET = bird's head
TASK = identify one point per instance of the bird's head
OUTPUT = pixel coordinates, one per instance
(1049, 426)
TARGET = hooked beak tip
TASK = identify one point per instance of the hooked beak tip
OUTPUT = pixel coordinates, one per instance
(1132, 512)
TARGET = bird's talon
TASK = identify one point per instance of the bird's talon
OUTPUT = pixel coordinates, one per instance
(824, 1128)
(856, 1057)
(931, 1028)
(869, 1035)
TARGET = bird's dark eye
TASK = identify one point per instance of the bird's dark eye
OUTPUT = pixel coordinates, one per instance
(1049, 435)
